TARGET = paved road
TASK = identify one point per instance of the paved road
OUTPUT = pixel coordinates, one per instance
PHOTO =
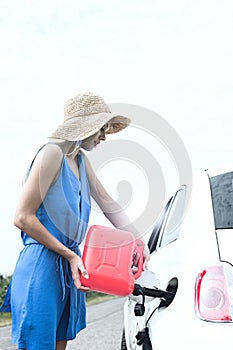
(103, 332)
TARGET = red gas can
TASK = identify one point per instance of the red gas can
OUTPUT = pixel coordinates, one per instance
(108, 258)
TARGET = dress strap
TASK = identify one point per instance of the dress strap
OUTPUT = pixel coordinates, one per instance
(36, 155)
(30, 166)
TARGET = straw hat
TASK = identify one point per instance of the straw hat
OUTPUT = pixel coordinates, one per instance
(84, 115)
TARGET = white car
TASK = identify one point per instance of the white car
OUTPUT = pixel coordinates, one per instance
(191, 259)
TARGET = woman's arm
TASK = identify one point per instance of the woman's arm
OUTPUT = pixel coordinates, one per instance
(110, 208)
(42, 176)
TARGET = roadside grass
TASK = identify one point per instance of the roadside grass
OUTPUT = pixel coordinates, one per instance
(92, 298)
(95, 298)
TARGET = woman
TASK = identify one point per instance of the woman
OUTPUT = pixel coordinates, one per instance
(47, 299)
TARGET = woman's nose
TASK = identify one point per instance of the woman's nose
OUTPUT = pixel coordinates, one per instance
(102, 137)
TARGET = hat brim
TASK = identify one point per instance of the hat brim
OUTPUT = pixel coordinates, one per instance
(79, 128)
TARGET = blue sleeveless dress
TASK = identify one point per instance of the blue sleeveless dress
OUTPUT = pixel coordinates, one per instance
(45, 304)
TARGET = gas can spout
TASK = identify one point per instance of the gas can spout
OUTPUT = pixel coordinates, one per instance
(153, 292)
(165, 296)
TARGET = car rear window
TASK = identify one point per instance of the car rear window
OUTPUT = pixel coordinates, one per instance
(222, 198)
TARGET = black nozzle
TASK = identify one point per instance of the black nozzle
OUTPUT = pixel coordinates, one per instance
(153, 292)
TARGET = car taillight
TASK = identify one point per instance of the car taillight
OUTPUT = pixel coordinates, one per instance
(212, 298)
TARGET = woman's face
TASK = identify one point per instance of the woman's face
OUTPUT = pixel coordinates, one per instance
(92, 141)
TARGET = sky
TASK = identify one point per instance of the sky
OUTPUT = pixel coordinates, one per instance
(172, 57)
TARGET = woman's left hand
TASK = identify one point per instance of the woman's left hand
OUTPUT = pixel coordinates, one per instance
(136, 257)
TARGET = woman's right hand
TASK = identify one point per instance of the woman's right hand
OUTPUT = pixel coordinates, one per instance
(78, 268)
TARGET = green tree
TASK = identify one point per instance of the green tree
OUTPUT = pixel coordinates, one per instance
(4, 283)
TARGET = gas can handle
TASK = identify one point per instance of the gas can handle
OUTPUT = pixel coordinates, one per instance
(139, 248)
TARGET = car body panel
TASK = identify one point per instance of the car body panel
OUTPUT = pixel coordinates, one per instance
(198, 245)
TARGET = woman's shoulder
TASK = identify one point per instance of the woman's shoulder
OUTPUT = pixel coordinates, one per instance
(53, 150)
(50, 155)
